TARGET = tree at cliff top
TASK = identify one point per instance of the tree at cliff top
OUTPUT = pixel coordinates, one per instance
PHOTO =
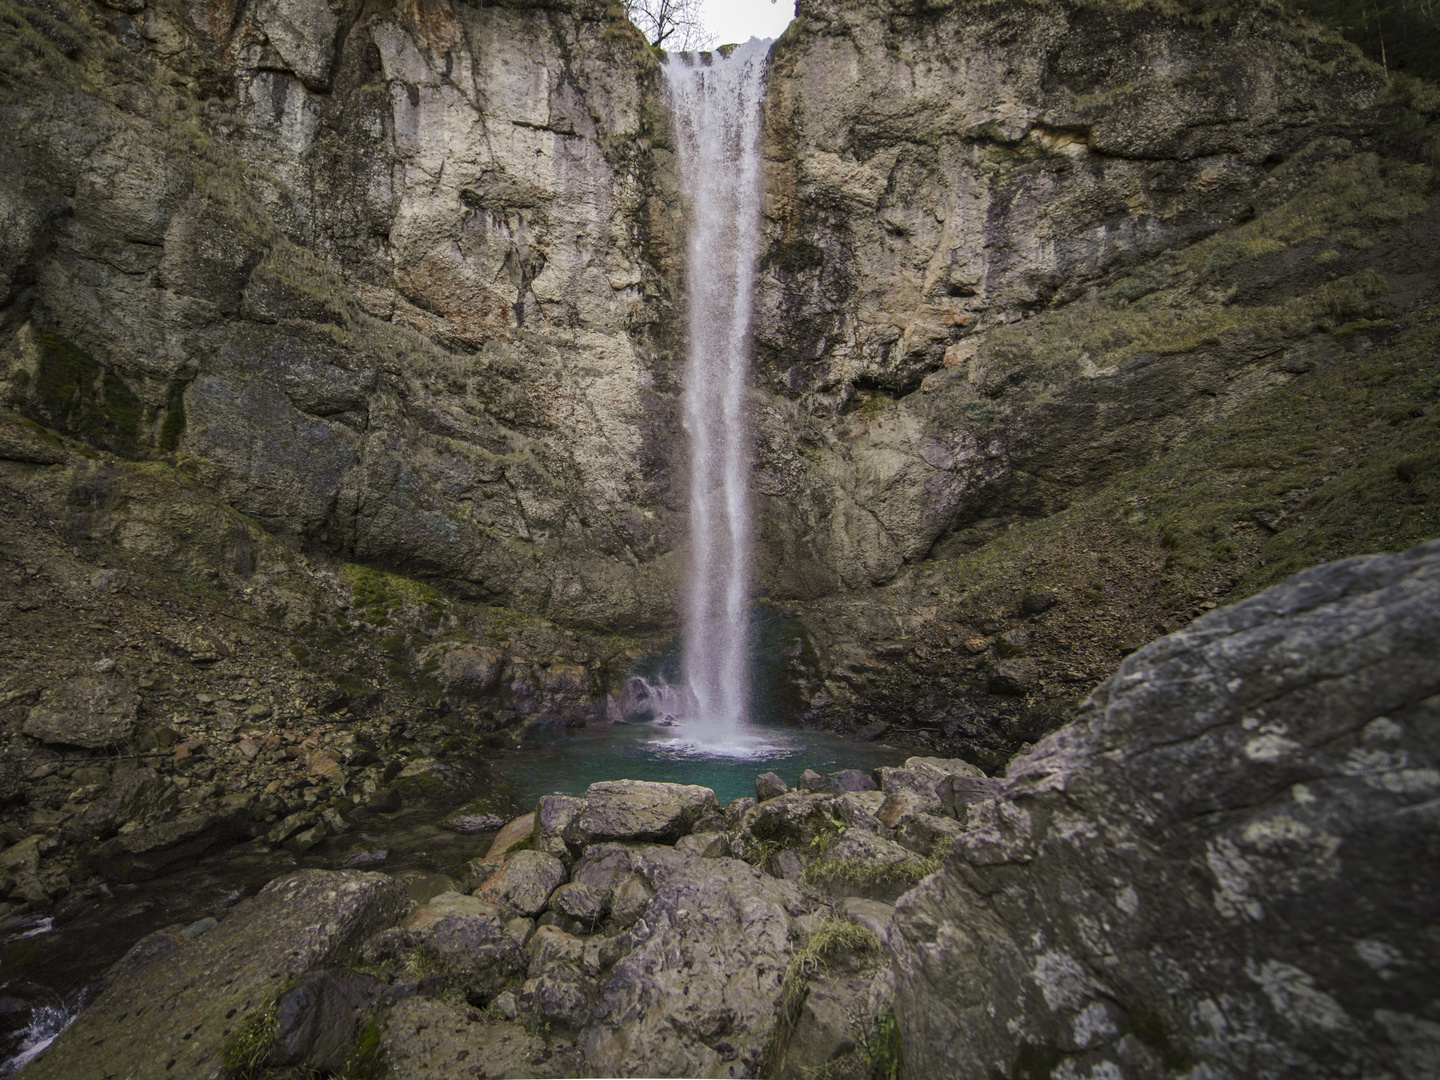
(675, 24)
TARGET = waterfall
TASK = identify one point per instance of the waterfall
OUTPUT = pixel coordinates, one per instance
(715, 102)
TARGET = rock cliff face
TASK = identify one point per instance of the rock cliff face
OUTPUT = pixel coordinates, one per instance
(1226, 863)
(936, 175)
(400, 282)
(393, 281)
(1030, 267)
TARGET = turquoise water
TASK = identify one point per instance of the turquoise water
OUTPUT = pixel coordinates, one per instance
(569, 762)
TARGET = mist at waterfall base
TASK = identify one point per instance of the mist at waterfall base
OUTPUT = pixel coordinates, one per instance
(562, 761)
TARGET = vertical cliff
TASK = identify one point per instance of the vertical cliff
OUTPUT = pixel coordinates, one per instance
(1026, 262)
(393, 280)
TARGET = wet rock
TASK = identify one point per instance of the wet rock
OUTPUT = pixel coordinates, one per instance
(298, 923)
(768, 785)
(634, 701)
(810, 780)
(512, 833)
(92, 711)
(849, 780)
(1246, 814)
(523, 881)
(317, 1020)
(423, 887)
(444, 782)
(484, 814)
(554, 815)
(638, 810)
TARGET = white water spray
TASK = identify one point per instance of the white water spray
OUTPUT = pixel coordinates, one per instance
(715, 102)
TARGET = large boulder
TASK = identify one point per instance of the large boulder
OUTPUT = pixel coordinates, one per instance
(470, 941)
(523, 881)
(308, 920)
(1229, 860)
(639, 810)
(697, 988)
(93, 711)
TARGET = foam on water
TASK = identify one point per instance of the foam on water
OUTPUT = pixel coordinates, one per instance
(46, 1024)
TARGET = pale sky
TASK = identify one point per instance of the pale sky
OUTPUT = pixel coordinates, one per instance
(740, 20)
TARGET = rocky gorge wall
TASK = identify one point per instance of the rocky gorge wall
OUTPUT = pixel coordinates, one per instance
(341, 343)
(391, 281)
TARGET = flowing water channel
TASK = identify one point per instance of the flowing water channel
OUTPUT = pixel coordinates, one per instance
(715, 719)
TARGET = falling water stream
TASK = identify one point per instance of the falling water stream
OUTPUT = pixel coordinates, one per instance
(715, 103)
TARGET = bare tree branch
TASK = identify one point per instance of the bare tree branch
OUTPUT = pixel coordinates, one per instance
(672, 24)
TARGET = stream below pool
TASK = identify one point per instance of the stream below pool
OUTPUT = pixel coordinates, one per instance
(49, 970)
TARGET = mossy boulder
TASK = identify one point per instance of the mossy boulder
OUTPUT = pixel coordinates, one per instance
(307, 920)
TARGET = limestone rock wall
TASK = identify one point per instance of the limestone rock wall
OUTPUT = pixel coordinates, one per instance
(942, 171)
(393, 279)
(1224, 866)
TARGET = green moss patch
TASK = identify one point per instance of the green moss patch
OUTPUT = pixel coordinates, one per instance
(81, 397)
(381, 594)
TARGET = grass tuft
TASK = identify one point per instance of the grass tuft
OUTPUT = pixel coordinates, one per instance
(833, 937)
(244, 1050)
